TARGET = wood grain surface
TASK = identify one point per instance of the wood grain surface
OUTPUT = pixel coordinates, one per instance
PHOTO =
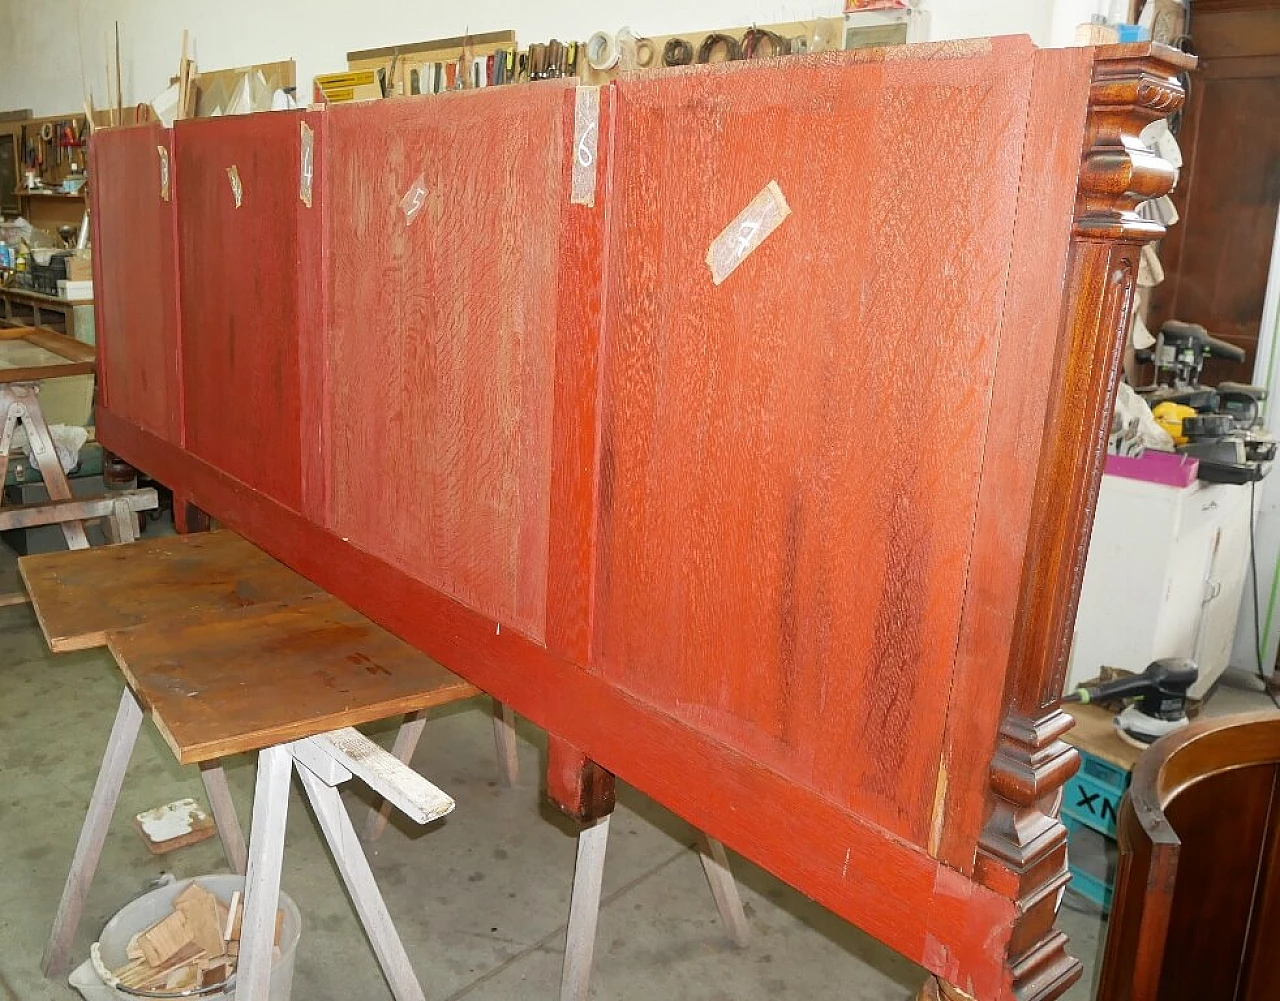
(790, 460)
(759, 548)
(255, 677)
(240, 278)
(136, 278)
(441, 356)
(81, 596)
(1030, 334)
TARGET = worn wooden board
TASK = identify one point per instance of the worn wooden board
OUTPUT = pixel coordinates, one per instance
(441, 358)
(134, 228)
(778, 491)
(29, 354)
(272, 673)
(81, 596)
(243, 307)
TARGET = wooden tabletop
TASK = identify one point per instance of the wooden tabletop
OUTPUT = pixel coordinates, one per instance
(260, 676)
(28, 354)
(230, 650)
(81, 596)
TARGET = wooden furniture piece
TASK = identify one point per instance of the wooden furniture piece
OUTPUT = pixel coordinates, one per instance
(24, 308)
(1197, 904)
(1164, 577)
(1216, 260)
(10, 156)
(702, 526)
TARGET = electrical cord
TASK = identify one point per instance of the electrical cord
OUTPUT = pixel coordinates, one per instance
(1253, 568)
(709, 44)
(778, 46)
(677, 52)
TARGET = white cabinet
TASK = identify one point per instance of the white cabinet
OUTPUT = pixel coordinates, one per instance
(1166, 571)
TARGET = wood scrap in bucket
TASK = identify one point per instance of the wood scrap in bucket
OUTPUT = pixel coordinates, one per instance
(195, 946)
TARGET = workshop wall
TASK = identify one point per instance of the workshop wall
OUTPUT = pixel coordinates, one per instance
(53, 51)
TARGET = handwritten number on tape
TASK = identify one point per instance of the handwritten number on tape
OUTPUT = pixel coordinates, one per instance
(307, 167)
(763, 214)
(586, 140)
(237, 189)
(414, 199)
(164, 172)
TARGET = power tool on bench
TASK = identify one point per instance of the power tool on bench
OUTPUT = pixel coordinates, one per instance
(1218, 425)
(1161, 693)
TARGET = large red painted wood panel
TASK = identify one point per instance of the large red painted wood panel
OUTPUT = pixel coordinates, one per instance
(791, 459)
(136, 277)
(247, 265)
(443, 337)
(794, 553)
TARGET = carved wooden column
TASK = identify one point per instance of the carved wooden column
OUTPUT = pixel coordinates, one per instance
(1022, 853)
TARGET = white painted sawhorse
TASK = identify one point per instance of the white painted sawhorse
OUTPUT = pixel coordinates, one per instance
(323, 763)
(20, 403)
(588, 875)
(407, 737)
(584, 905)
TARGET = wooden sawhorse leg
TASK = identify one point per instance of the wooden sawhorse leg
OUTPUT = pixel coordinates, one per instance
(356, 874)
(84, 864)
(106, 793)
(504, 739)
(20, 402)
(585, 791)
(504, 735)
(724, 889)
(224, 815)
(266, 857)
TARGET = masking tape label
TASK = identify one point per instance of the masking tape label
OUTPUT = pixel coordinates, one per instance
(762, 216)
(237, 190)
(307, 166)
(164, 172)
(586, 141)
(413, 200)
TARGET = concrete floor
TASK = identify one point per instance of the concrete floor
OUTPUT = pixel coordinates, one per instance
(480, 898)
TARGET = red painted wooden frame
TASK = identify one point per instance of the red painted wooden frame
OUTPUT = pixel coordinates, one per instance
(796, 554)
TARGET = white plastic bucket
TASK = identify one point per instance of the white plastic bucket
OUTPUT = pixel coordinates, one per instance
(142, 913)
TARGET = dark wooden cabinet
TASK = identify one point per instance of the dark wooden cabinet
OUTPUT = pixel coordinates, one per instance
(1217, 258)
(797, 551)
(1197, 904)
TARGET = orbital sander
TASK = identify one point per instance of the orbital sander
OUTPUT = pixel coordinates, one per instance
(1161, 694)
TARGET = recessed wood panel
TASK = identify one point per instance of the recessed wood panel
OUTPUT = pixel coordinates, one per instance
(136, 276)
(446, 255)
(790, 460)
(242, 277)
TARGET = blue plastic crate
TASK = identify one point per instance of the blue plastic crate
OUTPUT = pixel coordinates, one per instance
(1092, 859)
(1093, 794)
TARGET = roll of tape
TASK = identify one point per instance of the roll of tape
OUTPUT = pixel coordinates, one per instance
(602, 51)
(645, 53)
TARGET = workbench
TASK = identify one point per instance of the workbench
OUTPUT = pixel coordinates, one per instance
(25, 308)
